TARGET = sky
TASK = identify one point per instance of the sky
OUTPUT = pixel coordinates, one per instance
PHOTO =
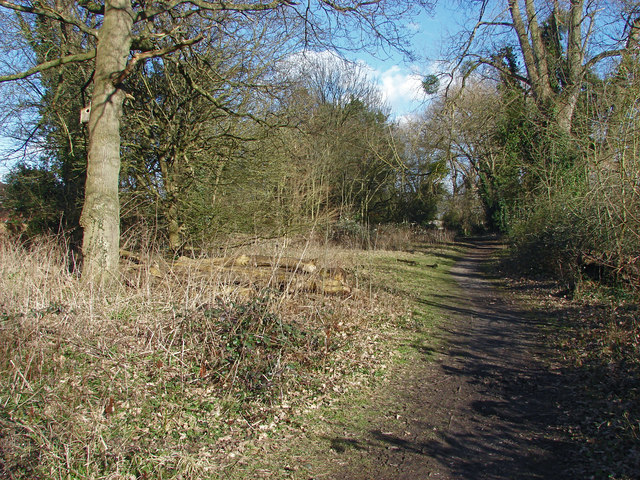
(400, 81)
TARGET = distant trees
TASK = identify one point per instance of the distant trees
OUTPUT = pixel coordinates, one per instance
(345, 137)
(420, 185)
(299, 142)
(347, 160)
(459, 134)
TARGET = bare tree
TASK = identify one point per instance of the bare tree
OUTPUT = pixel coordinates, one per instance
(558, 42)
(191, 111)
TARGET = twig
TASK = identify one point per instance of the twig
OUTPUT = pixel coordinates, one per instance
(21, 375)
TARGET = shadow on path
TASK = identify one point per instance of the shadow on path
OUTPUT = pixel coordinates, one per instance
(486, 409)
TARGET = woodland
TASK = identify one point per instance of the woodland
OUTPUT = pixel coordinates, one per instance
(237, 130)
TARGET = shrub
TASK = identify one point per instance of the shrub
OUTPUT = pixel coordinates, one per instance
(350, 233)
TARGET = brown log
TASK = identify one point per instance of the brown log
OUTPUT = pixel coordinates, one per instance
(285, 263)
(257, 261)
(284, 273)
(334, 273)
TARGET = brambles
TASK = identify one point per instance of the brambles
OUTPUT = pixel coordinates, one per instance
(249, 349)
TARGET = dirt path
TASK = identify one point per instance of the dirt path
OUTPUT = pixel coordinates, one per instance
(484, 409)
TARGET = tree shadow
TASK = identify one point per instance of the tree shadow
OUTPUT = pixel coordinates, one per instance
(515, 414)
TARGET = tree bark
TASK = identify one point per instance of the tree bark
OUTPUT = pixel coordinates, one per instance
(566, 106)
(100, 218)
(575, 67)
(539, 51)
(172, 213)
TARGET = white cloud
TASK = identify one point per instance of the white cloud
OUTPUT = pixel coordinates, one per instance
(414, 26)
(297, 63)
(407, 118)
(398, 85)
(401, 89)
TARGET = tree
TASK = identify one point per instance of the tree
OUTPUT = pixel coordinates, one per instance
(130, 32)
(557, 162)
(419, 187)
(460, 130)
(559, 44)
(179, 134)
(34, 196)
(345, 153)
(53, 140)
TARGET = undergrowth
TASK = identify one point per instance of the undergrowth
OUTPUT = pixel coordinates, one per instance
(312, 444)
(167, 378)
(594, 334)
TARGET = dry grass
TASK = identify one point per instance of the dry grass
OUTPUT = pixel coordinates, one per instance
(391, 237)
(403, 237)
(165, 378)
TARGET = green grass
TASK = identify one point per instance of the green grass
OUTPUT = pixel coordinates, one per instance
(338, 424)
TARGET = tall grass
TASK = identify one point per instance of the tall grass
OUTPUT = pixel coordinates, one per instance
(165, 375)
(403, 236)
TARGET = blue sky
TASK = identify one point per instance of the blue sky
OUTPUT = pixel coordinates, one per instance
(400, 80)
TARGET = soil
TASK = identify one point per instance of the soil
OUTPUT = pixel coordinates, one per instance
(484, 406)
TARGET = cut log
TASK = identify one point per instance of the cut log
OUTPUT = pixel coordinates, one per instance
(208, 263)
(413, 263)
(285, 263)
(258, 261)
(283, 273)
(335, 273)
(328, 286)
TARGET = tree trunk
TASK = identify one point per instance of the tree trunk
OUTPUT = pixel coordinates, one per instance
(173, 226)
(533, 56)
(566, 106)
(100, 218)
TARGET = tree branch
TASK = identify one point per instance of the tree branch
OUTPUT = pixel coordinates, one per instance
(214, 7)
(92, 6)
(574, 43)
(602, 55)
(138, 57)
(467, 47)
(215, 101)
(78, 57)
(526, 49)
(505, 71)
(537, 43)
(49, 13)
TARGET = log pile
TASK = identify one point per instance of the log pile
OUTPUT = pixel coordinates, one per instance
(259, 271)
(284, 273)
